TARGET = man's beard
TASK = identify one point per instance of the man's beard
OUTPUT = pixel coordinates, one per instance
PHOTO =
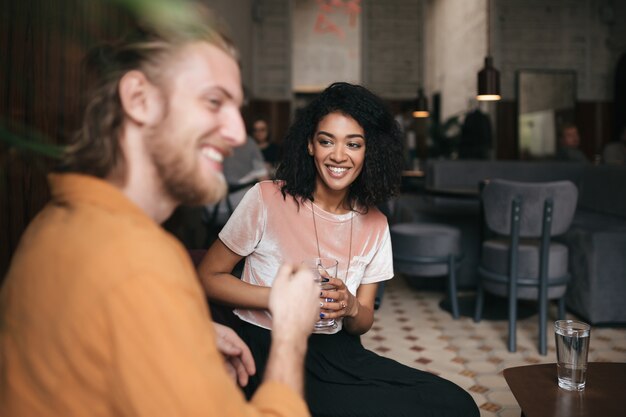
(178, 169)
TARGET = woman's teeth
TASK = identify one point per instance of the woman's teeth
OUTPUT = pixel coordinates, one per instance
(338, 170)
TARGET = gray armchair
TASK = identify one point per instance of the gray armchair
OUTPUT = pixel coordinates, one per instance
(522, 261)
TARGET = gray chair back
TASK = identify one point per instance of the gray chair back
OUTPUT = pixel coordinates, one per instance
(498, 195)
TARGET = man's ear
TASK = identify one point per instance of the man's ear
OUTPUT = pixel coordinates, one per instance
(141, 100)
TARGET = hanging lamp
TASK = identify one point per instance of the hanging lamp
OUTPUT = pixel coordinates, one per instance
(420, 108)
(488, 82)
(488, 77)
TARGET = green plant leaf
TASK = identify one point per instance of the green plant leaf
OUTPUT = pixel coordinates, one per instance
(30, 142)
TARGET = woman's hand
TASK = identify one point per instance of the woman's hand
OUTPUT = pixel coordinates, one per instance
(337, 301)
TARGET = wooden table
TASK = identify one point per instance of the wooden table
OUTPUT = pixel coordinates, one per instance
(538, 394)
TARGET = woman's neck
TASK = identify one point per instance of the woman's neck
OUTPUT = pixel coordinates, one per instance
(331, 201)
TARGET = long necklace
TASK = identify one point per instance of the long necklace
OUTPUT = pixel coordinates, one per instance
(317, 241)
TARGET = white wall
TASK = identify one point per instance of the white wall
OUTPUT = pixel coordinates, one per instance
(390, 59)
(455, 41)
(272, 49)
(450, 38)
(393, 47)
(237, 15)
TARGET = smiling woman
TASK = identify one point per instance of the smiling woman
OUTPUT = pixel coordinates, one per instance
(338, 151)
(343, 157)
(381, 137)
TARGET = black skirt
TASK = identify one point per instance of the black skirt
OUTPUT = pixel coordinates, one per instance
(344, 379)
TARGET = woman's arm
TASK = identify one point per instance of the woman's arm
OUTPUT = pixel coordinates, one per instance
(220, 285)
(358, 313)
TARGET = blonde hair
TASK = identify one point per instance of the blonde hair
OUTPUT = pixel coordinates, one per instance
(95, 149)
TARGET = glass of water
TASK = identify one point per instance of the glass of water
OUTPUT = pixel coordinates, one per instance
(572, 346)
(323, 269)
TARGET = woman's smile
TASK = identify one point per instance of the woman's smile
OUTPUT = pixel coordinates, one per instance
(337, 171)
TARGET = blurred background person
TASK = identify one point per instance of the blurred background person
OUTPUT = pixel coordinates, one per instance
(246, 165)
(242, 170)
(270, 150)
(569, 142)
(476, 137)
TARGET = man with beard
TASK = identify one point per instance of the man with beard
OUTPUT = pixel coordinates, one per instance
(101, 311)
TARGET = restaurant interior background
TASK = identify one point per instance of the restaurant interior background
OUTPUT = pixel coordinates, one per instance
(291, 49)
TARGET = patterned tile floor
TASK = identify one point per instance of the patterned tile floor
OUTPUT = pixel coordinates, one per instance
(411, 328)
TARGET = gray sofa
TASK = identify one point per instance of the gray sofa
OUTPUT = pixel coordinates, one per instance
(597, 243)
(596, 239)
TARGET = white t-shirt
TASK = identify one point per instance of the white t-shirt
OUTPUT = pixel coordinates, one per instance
(270, 231)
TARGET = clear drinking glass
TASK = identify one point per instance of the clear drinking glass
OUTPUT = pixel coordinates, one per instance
(572, 345)
(323, 268)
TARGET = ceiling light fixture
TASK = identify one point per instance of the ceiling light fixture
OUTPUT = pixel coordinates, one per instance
(420, 108)
(488, 77)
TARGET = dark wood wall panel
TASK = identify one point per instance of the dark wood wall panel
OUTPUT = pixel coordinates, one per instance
(506, 130)
(595, 125)
(41, 85)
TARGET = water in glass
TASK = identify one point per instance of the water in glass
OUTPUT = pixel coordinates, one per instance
(572, 346)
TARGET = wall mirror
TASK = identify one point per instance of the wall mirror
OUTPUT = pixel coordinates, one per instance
(546, 101)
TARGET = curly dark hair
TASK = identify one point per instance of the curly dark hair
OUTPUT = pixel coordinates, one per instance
(381, 174)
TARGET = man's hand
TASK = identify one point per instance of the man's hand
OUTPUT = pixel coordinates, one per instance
(294, 303)
(238, 359)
